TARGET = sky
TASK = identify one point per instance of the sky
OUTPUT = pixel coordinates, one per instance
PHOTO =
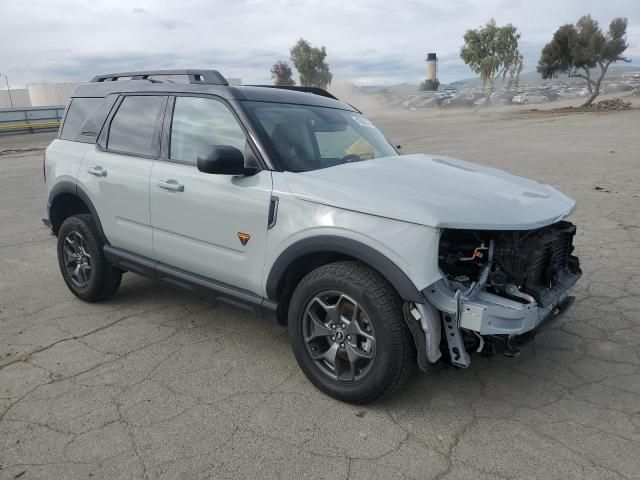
(369, 42)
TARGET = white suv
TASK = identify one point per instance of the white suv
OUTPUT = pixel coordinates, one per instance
(291, 203)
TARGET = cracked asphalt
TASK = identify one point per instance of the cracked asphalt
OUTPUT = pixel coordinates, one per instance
(158, 383)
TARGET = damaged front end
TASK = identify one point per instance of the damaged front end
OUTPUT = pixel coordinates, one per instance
(499, 287)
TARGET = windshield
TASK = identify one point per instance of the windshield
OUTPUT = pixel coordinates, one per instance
(304, 137)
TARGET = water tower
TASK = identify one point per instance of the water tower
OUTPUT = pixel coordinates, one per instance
(432, 67)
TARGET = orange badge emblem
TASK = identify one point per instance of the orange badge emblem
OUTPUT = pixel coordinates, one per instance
(244, 237)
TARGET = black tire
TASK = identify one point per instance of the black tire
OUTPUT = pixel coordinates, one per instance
(111, 283)
(394, 350)
(102, 281)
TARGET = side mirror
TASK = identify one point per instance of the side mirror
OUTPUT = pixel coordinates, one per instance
(223, 160)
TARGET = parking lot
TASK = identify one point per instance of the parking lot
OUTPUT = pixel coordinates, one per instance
(159, 383)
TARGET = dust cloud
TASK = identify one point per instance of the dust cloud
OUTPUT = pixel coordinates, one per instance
(370, 105)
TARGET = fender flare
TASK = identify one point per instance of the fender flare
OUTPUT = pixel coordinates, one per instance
(346, 246)
(74, 189)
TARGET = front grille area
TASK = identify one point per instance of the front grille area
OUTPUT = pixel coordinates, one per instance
(539, 262)
(553, 258)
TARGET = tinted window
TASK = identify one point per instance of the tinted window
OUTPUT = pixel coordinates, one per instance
(92, 126)
(305, 137)
(199, 123)
(79, 110)
(133, 128)
(342, 143)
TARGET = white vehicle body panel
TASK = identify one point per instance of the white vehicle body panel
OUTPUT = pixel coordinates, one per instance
(121, 197)
(412, 247)
(434, 191)
(62, 161)
(197, 229)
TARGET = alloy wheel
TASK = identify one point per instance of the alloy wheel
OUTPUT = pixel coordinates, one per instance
(339, 336)
(76, 259)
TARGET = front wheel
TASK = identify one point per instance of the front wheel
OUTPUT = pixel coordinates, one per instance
(348, 334)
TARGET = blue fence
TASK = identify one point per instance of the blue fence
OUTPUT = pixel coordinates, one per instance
(30, 119)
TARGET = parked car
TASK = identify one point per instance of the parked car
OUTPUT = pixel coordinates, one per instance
(496, 98)
(459, 100)
(426, 103)
(293, 205)
(530, 98)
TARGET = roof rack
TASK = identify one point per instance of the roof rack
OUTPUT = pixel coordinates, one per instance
(209, 77)
(315, 90)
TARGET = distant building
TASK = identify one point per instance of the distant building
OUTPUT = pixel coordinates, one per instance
(16, 98)
(37, 95)
(49, 94)
(432, 67)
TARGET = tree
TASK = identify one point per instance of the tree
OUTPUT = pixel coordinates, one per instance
(281, 74)
(576, 49)
(429, 85)
(309, 61)
(492, 52)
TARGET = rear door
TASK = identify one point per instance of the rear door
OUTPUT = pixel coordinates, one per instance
(116, 172)
(64, 155)
(200, 220)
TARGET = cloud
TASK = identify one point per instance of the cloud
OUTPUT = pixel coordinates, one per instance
(171, 24)
(375, 41)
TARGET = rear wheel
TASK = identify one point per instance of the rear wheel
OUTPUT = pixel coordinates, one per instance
(348, 333)
(82, 262)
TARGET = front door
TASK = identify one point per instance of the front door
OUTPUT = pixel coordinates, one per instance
(211, 225)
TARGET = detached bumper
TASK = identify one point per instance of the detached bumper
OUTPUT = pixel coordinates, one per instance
(489, 314)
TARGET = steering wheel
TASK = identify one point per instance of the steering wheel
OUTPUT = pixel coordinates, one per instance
(352, 157)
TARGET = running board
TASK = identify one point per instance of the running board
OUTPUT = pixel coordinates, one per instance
(188, 281)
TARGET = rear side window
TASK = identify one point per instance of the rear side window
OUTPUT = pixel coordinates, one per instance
(92, 126)
(78, 111)
(134, 126)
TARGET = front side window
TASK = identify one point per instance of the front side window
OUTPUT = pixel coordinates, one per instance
(79, 110)
(305, 138)
(198, 124)
(133, 128)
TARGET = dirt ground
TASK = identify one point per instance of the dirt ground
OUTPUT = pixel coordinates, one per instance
(158, 383)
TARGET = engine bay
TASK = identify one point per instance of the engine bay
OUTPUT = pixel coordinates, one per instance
(523, 265)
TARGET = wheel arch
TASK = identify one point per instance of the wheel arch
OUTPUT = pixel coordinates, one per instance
(307, 254)
(66, 199)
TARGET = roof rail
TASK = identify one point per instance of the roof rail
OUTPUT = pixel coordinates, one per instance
(315, 90)
(209, 77)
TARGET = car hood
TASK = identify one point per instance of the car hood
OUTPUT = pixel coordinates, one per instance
(435, 191)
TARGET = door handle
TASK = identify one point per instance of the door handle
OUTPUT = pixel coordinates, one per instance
(172, 185)
(98, 171)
